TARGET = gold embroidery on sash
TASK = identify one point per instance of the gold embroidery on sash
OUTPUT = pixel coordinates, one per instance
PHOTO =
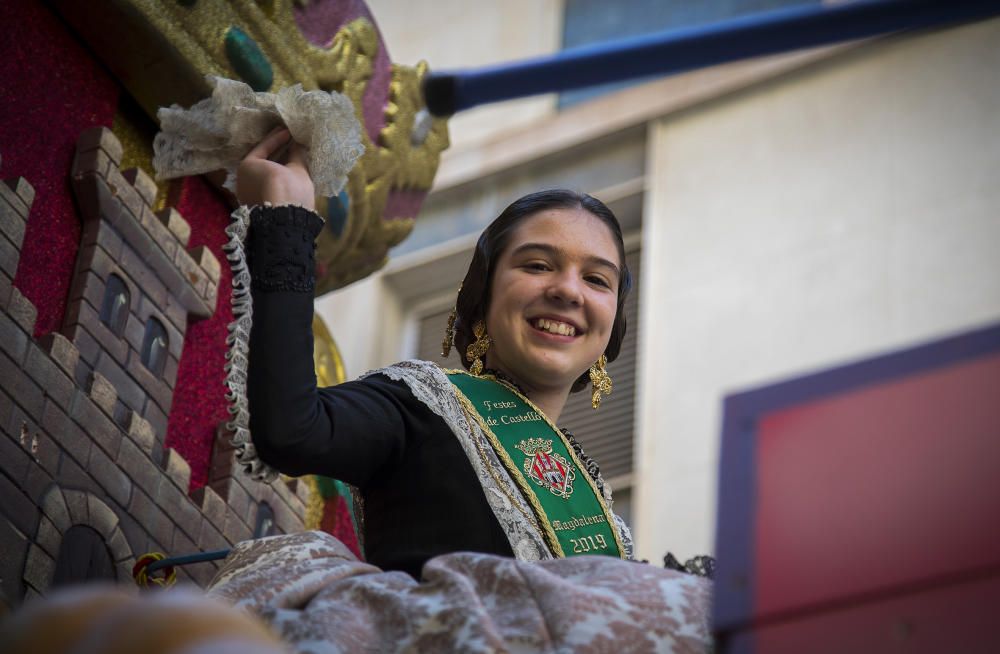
(550, 536)
(518, 476)
(576, 461)
(556, 473)
(501, 483)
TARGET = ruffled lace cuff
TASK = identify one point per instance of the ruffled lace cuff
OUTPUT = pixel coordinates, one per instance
(280, 248)
(238, 342)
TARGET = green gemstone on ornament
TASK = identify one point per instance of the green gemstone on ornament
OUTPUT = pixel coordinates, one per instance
(337, 211)
(247, 59)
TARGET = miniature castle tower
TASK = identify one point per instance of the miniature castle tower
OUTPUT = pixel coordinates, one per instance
(135, 284)
(86, 482)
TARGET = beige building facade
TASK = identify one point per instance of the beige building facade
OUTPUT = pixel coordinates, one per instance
(789, 214)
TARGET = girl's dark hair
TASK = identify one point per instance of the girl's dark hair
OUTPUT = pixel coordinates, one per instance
(474, 296)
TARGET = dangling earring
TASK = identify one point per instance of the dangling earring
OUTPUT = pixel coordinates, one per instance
(478, 348)
(449, 333)
(601, 380)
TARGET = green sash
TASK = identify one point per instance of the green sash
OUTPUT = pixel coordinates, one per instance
(573, 515)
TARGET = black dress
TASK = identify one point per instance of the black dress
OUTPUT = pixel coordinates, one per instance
(422, 497)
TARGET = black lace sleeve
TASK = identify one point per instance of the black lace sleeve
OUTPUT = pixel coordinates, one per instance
(280, 249)
(592, 468)
(702, 566)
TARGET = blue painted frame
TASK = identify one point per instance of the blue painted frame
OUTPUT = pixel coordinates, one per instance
(742, 412)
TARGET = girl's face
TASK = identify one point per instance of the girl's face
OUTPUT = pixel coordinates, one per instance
(553, 298)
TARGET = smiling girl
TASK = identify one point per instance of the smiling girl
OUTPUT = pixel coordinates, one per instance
(446, 460)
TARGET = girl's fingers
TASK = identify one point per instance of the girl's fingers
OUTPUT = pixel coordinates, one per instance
(297, 156)
(277, 138)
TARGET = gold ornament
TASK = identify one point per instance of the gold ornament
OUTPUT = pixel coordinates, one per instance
(478, 348)
(313, 518)
(601, 380)
(327, 360)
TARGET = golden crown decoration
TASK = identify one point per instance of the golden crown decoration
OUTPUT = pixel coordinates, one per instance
(534, 445)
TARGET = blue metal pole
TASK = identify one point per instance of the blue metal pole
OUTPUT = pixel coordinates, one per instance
(679, 50)
(186, 559)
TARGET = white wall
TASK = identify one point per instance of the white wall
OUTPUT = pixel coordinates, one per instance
(830, 215)
(455, 34)
(360, 318)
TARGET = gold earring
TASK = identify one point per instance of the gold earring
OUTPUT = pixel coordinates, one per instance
(449, 333)
(601, 380)
(478, 348)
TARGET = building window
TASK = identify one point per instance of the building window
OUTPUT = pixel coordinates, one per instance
(154, 347)
(589, 22)
(114, 308)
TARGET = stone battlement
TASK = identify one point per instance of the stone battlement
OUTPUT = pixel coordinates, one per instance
(135, 285)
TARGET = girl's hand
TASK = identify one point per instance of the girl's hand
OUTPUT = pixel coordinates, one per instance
(260, 180)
